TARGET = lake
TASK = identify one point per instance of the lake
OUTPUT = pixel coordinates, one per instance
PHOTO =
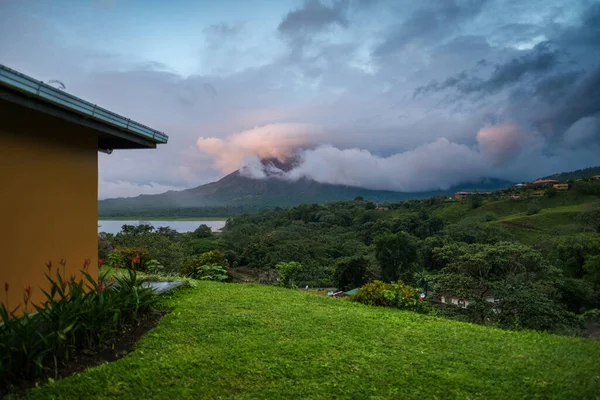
(179, 226)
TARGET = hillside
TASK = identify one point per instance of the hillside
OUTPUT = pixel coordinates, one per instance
(256, 342)
(585, 173)
(235, 190)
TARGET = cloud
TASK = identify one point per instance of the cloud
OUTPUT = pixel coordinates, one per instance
(279, 141)
(428, 24)
(537, 61)
(586, 130)
(499, 143)
(312, 17)
(505, 89)
(435, 165)
(109, 190)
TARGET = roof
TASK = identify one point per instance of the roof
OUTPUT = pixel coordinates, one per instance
(115, 131)
(545, 181)
(352, 292)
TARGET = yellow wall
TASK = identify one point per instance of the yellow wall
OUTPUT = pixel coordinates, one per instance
(48, 199)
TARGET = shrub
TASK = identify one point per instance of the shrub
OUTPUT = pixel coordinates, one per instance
(154, 267)
(289, 273)
(213, 257)
(76, 314)
(210, 273)
(393, 294)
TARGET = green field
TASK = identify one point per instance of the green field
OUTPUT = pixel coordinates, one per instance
(239, 341)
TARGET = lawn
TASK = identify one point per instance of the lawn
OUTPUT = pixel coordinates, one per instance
(254, 342)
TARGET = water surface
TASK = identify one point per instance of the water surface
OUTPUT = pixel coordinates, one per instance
(179, 226)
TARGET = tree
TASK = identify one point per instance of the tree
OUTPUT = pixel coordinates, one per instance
(289, 273)
(396, 255)
(351, 272)
(475, 201)
(591, 218)
(203, 231)
(516, 276)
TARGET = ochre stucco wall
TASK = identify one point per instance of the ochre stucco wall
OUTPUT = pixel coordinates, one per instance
(48, 200)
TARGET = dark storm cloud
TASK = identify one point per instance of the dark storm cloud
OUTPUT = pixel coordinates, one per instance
(313, 16)
(429, 24)
(537, 61)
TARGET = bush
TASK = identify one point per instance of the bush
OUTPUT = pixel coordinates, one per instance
(213, 257)
(135, 258)
(394, 294)
(210, 273)
(76, 314)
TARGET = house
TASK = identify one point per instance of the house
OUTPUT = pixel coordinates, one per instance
(538, 193)
(49, 144)
(460, 301)
(561, 186)
(461, 195)
(544, 182)
(596, 177)
(464, 195)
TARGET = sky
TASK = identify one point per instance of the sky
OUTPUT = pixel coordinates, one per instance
(382, 94)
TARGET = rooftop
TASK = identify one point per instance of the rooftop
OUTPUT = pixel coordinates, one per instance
(115, 131)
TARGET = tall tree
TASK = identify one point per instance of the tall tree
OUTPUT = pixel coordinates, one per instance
(397, 256)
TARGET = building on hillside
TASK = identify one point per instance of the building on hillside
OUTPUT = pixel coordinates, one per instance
(538, 193)
(464, 195)
(561, 186)
(49, 144)
(544, 182)
(596, 177)
(381, 208)
(460, 301)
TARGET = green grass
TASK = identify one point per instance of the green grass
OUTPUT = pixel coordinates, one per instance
(137, 218)
(236, 341)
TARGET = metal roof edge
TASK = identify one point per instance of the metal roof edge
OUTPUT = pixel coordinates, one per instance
(23, 83)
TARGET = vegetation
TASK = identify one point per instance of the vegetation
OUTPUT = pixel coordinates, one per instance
(536, 256)
(77, 314)
(257, 342)
(585, 173)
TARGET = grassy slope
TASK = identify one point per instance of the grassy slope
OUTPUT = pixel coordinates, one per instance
(250, 341)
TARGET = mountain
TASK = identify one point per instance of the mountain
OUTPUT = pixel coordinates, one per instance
(236, 189)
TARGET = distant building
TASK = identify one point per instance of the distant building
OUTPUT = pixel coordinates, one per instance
(380, 208)
(538, 193)
(461, 301)
(561, 186)
(596, 177)
(544, 182)
(464, 195)
(461, 195)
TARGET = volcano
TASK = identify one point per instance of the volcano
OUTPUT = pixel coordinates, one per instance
(240, 189)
